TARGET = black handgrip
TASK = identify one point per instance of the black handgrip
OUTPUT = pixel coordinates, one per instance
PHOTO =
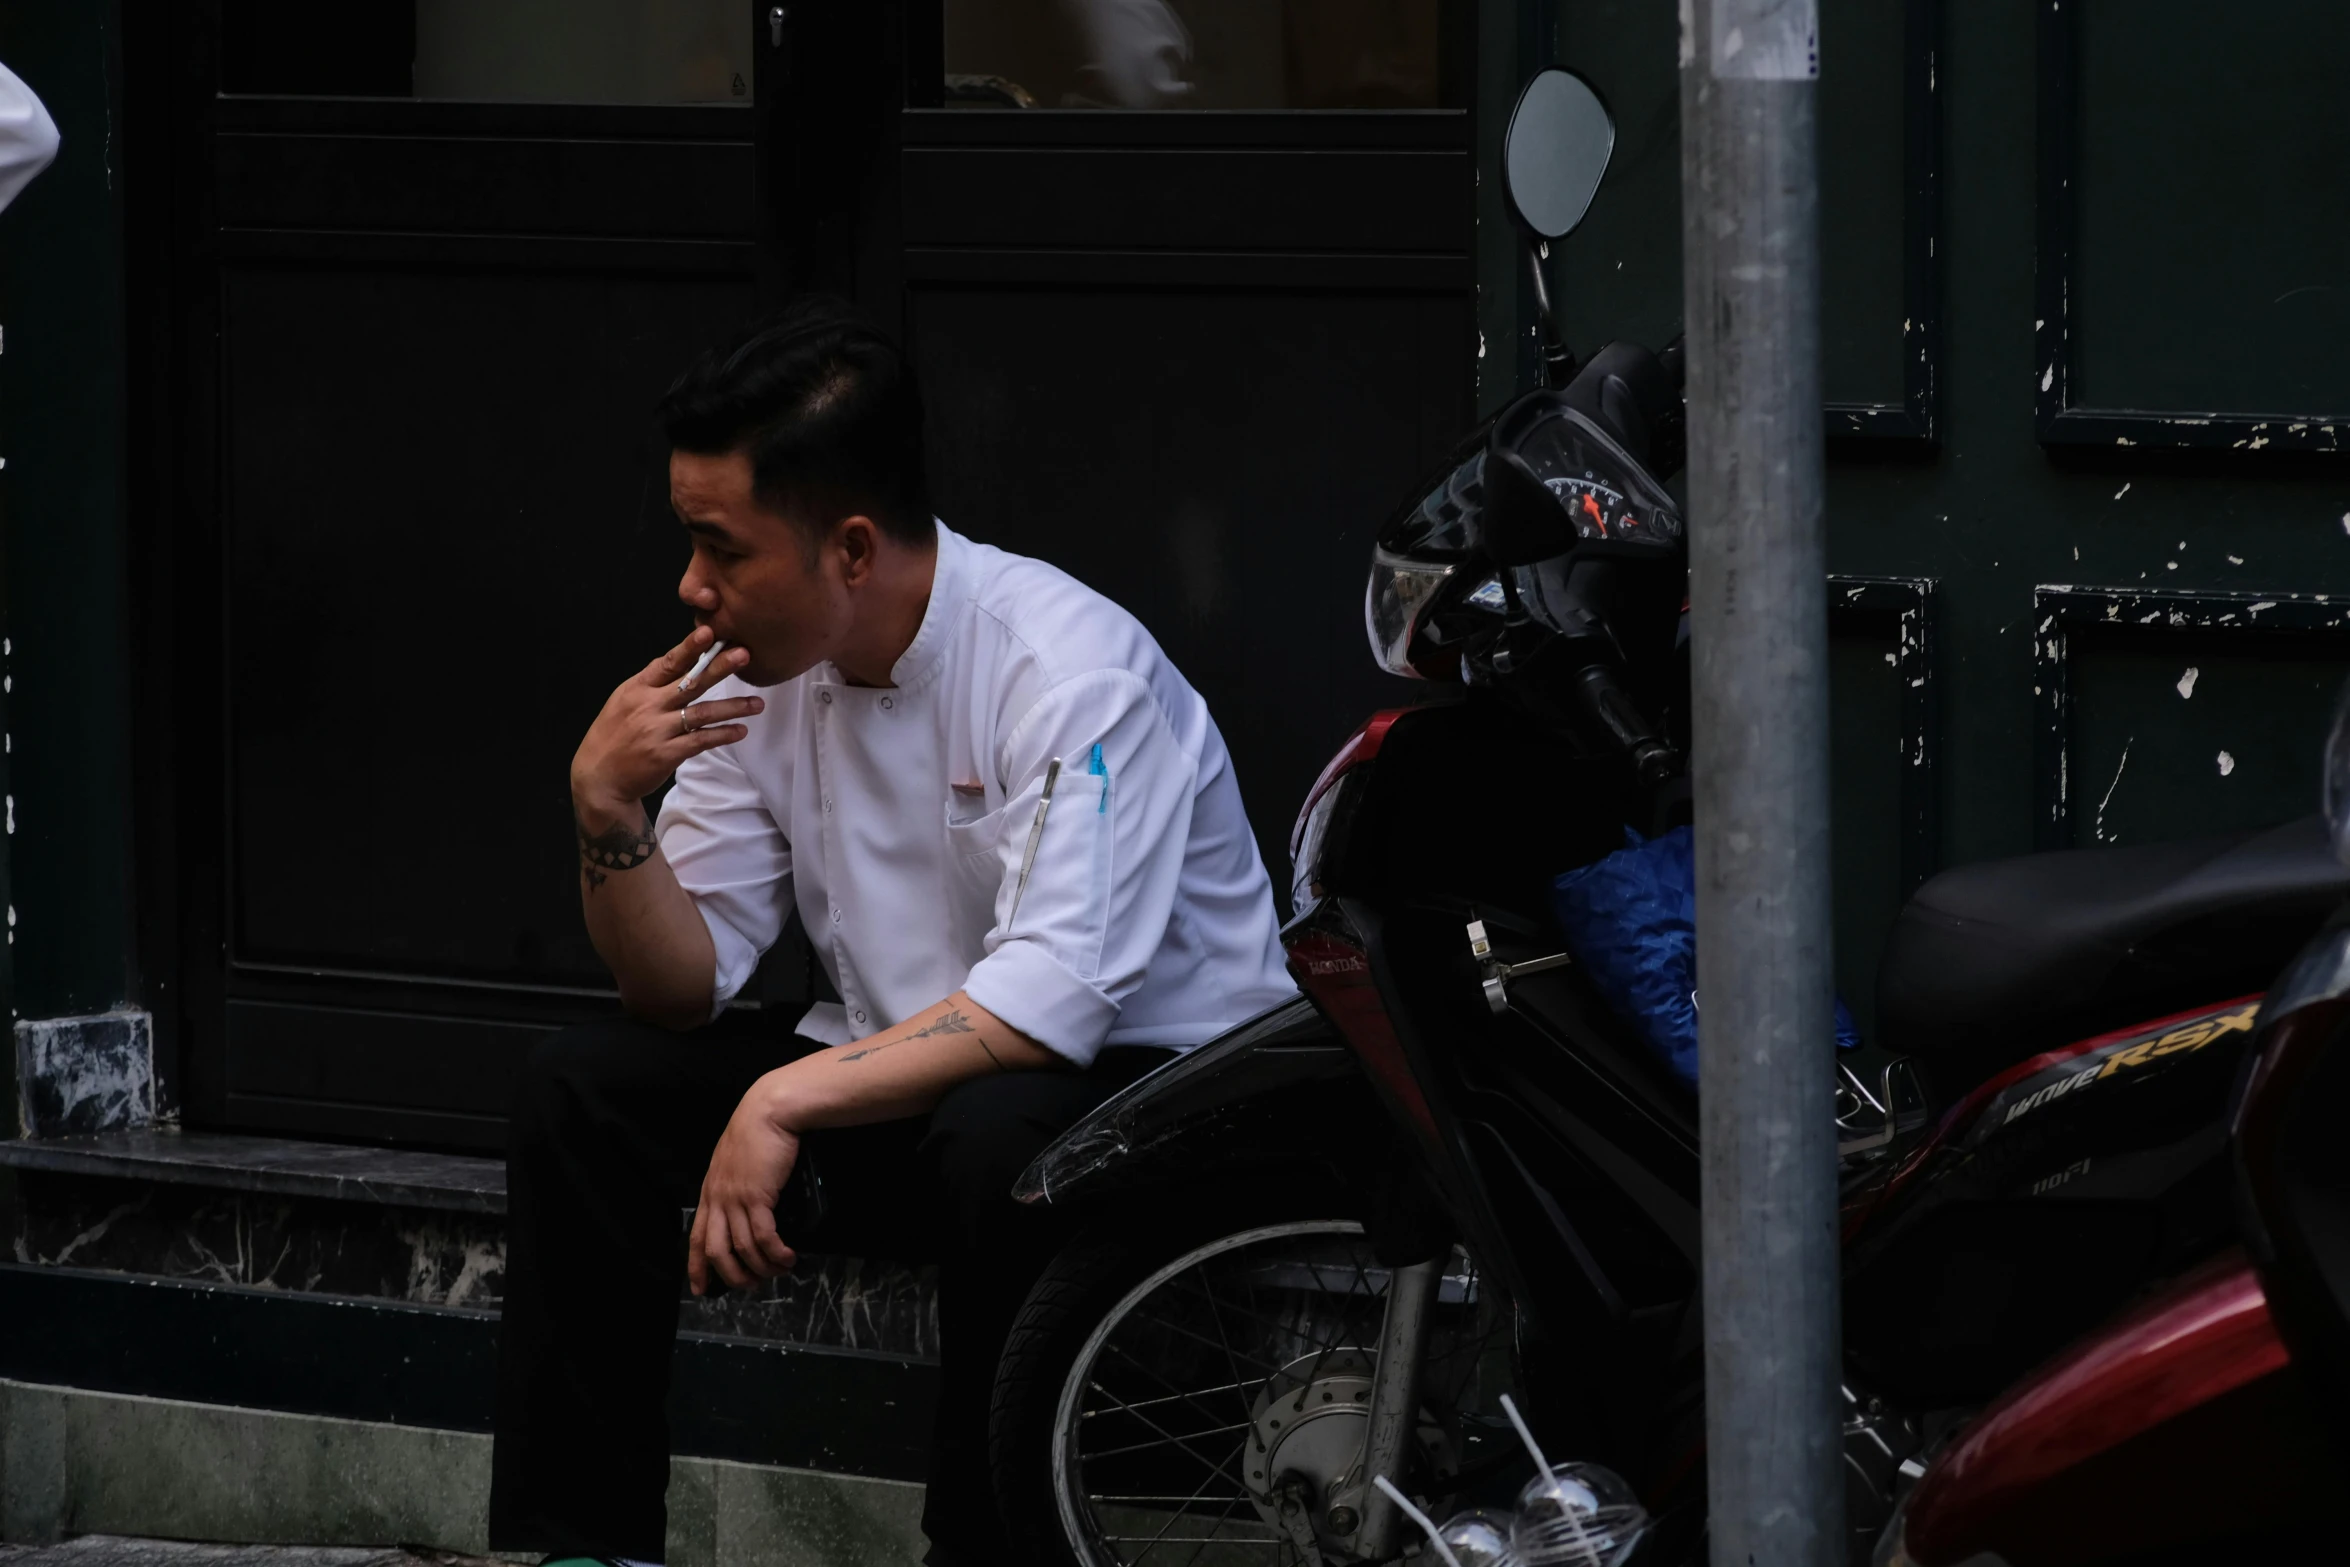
(1605, 701)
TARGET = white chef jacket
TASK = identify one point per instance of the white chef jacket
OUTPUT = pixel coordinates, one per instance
(897, 817)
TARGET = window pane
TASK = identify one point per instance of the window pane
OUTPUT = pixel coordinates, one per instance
(1194, 54)
(500, 51)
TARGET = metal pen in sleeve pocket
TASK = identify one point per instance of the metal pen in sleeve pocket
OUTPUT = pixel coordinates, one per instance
(1052, 775)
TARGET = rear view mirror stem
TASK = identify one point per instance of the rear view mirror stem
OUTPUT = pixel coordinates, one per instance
(1555, 363)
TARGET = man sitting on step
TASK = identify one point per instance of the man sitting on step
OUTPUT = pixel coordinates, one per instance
(1014, 834)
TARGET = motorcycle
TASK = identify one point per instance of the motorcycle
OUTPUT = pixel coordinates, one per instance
(2222, 1393)
(1320, 1248)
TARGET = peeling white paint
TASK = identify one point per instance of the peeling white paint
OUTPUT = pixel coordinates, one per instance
(2170, 565)
(2116, 784)
(2124, 490)
(2227, 764)
(2048, 376)
(2238, 560)
(2187, 681)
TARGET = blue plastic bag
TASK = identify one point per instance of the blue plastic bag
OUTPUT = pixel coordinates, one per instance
(1631, 921)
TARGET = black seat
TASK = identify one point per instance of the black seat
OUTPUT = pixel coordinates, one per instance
(1990, 964)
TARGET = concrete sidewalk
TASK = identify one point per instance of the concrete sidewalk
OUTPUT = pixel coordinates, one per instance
(108, 1471)
(107, 1550)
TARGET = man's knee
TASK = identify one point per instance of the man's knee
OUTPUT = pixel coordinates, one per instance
(985, 1132)
(575, 1068)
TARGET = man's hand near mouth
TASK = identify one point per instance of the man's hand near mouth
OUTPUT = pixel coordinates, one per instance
(642, 922)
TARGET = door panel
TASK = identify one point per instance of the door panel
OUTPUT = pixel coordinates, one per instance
(427, 532)
(438, 570)
(472, 185)
(1206, 199)
(2211, 267)
(522, 51)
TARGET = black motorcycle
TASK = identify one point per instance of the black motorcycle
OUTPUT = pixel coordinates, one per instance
(1318, 1250)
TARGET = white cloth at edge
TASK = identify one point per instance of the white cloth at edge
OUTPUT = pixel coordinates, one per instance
(1136, 53)
(28, 137)
(1148, 918)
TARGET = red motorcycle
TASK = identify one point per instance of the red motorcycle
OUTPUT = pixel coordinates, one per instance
(2204, 1423)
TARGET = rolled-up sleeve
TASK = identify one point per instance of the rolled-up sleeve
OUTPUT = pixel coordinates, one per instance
(1108, 864)
(722, 842)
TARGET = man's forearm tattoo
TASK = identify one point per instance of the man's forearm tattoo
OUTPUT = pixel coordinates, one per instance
(953, 1023)
(618, 848)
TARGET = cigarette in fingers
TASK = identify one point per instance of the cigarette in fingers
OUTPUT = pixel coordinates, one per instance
(694, 674)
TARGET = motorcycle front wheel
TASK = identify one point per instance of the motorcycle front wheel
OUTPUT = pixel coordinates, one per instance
(1204, 1399)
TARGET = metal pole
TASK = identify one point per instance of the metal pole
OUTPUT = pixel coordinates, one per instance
(1758, 566)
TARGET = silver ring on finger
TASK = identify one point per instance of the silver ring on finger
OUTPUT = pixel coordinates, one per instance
(685, 723)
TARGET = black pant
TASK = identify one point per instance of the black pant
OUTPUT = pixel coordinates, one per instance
(612, 1129)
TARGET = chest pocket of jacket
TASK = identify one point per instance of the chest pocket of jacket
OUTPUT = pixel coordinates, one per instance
(974, 874)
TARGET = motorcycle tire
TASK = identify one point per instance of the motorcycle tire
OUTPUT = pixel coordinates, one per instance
(1073, 1315)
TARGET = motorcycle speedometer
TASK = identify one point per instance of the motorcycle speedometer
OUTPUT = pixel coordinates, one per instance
(1604, 492)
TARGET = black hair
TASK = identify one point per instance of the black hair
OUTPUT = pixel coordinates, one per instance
(825, 407)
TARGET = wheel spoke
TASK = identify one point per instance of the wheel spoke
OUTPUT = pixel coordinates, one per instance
(1222, 1387)
(1216, 1315)
(1156, 1375)
(1144, 1447)
(1163, 1431)
(1269, 1366)
(1239, 1448)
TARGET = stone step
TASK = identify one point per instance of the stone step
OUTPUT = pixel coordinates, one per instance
(384, 1224)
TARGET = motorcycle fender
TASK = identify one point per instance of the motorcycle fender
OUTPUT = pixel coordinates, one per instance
(1217, 1104)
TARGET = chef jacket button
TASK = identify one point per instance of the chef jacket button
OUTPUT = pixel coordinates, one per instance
(836, 916)
(860, 1017)
(888, 701)
(828, 805)
(825, 697)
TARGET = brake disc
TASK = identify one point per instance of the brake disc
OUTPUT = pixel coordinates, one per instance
(1304, 1465)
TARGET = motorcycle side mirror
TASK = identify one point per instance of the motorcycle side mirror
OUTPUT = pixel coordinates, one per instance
(1553, 158)
(1522, 522)
(1556, 152)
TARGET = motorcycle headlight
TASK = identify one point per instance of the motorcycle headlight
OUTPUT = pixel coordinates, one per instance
(2336, 787)
(1399, 593)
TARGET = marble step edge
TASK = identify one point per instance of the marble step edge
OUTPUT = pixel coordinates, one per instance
(234, 1161)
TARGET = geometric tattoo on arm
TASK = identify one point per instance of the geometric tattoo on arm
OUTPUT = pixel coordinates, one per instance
(614, 849)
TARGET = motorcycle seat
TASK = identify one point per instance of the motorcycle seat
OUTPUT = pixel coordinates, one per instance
(1988, 965)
